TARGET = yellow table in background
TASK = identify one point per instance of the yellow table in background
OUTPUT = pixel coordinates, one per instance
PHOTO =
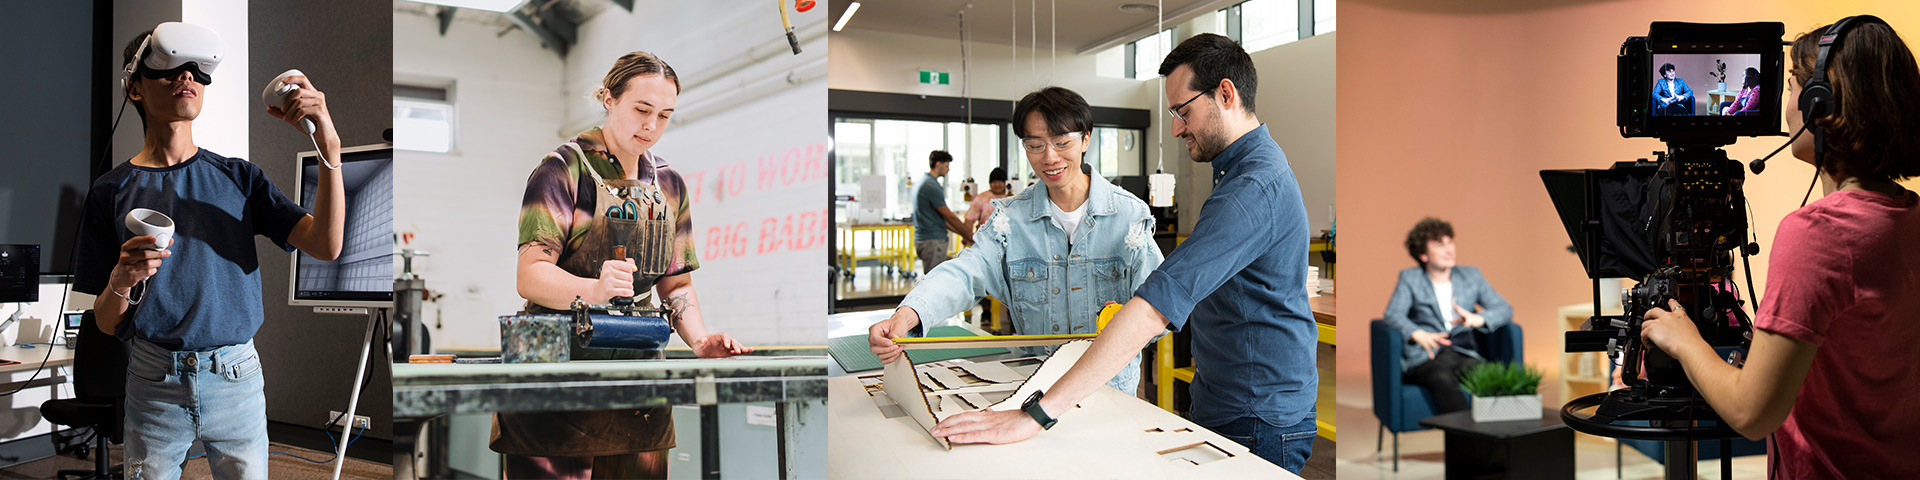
(892, 244)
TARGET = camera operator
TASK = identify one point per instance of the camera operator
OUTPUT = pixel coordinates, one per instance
(1833, 370)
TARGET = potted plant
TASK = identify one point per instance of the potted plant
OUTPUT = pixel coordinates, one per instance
(1719, 72)
(1503, 391)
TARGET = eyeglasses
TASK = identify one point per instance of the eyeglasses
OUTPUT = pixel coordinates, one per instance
(1035, 145)
(1176, 109)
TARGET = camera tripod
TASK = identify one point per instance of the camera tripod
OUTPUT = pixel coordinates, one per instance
(1680, 219)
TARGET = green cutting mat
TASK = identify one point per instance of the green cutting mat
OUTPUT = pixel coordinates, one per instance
(854, 355)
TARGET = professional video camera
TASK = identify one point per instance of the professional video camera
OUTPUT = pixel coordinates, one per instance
(1672, 222)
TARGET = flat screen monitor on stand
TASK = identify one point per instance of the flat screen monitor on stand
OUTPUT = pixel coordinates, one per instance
(360, 280)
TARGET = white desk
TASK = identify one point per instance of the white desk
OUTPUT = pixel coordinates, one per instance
(1103, 438)
(30, 359)
(22, 429)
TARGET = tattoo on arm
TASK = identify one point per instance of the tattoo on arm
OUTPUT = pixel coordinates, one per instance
(677, 306)
(544, 248)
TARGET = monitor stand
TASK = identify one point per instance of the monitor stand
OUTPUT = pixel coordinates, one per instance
(374, 317)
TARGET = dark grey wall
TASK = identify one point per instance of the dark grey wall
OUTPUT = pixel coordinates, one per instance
(46, 132)
(346, 49)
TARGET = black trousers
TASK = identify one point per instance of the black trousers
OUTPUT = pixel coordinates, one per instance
(1441, 377)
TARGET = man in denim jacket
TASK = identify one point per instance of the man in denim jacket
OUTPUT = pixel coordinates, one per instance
(1054, 255)
(1238, 283)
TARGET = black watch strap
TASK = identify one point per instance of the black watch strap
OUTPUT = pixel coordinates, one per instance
(1032, 407)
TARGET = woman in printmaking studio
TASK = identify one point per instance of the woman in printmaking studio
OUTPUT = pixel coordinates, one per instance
(597, 194)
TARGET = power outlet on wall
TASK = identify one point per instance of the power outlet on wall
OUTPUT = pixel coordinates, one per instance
(360, 422)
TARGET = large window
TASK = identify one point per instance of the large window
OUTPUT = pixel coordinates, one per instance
(423, 118)
(1147, 53)
(1322, 17)
(894, 152)
(1115, 152)
(1268, 23)
(1256, 24)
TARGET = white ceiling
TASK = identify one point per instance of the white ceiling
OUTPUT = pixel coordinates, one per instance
(1082, 24)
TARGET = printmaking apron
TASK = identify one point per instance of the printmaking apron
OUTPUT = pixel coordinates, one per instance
(636, 215)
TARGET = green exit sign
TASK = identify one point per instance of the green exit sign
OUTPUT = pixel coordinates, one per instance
(933, 78)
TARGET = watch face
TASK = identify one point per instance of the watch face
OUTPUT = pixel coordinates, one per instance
(1032, 407)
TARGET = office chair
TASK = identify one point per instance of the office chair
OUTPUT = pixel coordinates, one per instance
(100, 390)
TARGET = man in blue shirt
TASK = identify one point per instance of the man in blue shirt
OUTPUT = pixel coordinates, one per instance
(1238, 282)
(189, 308)
(931, 217)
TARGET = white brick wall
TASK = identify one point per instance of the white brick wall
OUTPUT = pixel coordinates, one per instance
(758, 169)
(464, 206)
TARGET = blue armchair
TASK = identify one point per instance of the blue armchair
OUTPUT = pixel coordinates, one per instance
(1400, 406)
(1677, 109)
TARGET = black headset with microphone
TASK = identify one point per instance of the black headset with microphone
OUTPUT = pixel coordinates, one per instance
(1818, 98)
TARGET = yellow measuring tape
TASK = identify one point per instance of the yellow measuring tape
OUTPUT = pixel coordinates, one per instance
(1106, 315)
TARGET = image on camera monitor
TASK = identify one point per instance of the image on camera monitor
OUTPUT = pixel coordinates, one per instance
(1706, 84)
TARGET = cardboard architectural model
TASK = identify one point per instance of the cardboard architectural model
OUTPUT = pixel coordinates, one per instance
(932, 393)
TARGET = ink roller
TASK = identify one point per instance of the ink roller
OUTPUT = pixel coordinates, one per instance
(546, 338)
(632, 328)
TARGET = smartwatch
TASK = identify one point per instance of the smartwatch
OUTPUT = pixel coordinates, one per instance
(1032, 407)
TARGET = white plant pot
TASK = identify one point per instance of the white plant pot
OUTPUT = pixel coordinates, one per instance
(1507, 408)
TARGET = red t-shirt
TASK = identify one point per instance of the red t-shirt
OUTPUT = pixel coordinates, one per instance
(1845, 276)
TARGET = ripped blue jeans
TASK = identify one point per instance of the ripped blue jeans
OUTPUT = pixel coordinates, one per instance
(174, 398)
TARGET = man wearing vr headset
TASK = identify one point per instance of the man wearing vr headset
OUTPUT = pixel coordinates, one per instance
(189, 309)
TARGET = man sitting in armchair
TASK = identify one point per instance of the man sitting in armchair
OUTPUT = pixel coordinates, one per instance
(1439, 305)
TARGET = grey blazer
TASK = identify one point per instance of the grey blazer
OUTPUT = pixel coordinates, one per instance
(1412, 308)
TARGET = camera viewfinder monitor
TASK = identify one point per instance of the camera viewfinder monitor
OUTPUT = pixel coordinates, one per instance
(1694, 80)
(363, 274)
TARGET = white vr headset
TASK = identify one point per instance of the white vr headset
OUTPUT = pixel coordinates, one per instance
(174, 46)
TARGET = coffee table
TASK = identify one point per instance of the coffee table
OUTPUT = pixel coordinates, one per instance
(1530, 449)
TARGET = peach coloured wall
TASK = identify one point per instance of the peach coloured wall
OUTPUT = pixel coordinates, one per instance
(1450, 109)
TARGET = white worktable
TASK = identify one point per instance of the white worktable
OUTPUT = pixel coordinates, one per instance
(29, 358)
(1104, 438)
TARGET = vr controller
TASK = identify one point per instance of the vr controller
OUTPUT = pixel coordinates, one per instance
(281, 93)
(144, 222)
